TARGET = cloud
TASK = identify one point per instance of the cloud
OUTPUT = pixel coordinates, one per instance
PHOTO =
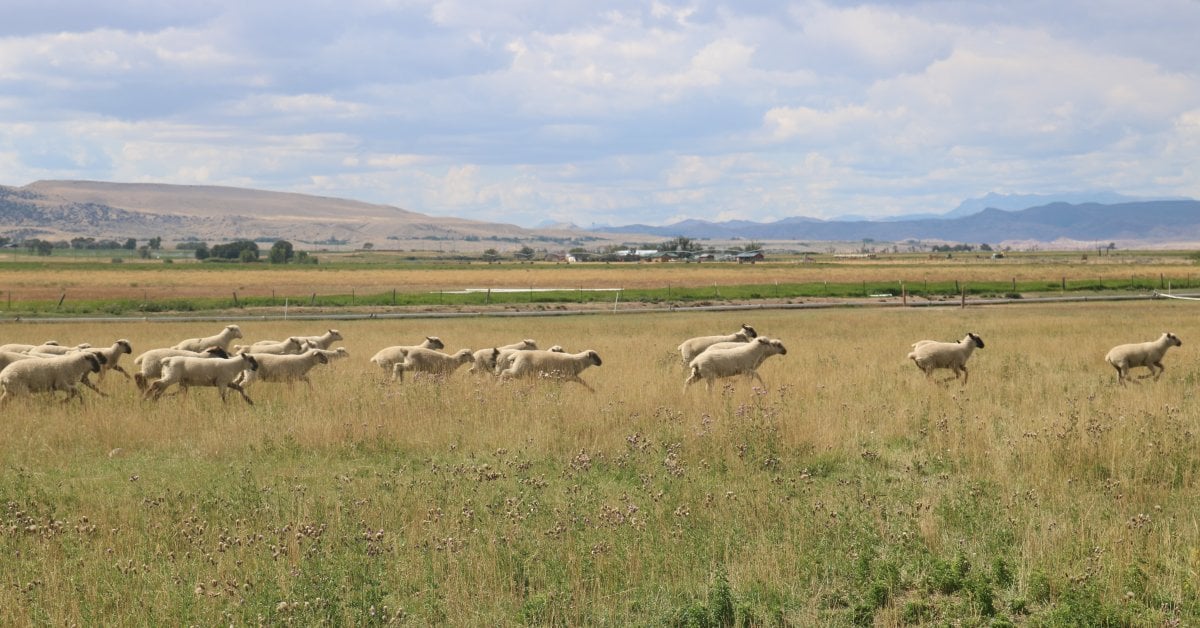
(626, 111)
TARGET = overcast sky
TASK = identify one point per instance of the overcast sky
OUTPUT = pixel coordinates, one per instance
(608, 112)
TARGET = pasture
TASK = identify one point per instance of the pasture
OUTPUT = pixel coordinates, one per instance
(850, 491)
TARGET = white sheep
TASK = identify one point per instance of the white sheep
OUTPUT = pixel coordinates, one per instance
(1147, 354)
(929, 355)
(743, 359)
(388, 357)
(486, 359)
(692, 347)
(8, 357)
(55, 349)
(504, 359)
(195, 371)
(151, 362)
(419, 360)
(48, 375)
(221, 340)
(553, 365)
(294, 345)
(17, 347)
(288, 368)
(323, 341)
(113, 356)
(333, 354)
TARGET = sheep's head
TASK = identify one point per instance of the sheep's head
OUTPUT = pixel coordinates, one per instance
(975, 339)
(433, 342)
(124, 346)
(593, 357)
(771, 345)
(216, 352)
(94, 361)
(293, 341)
(749, 331)
(528, 343)
(251, 363)
(465, 355)
(234, 330)
(335, 334)
(322, 358)
(1173, 339)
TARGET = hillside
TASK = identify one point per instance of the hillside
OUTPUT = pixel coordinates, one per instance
(62, 209)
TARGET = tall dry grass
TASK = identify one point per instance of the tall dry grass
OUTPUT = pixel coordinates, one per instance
(850, 490)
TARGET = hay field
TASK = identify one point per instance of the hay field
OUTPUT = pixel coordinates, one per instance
(155, 280)
(850, 492)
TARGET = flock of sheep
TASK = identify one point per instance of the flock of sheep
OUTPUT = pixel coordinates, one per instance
(214, 361)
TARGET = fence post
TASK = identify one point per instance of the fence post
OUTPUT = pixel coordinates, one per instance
(963, 298)
(235, 299)
(313, 300)
(393, 297)
(60, 301)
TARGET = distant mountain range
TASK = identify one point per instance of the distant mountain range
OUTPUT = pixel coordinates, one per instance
(1144, 221)
(66, 209)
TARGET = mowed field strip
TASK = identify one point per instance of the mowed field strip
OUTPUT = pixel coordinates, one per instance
(850, 490)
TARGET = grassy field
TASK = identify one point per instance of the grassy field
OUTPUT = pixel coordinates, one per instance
(851, 491)
(32, 286)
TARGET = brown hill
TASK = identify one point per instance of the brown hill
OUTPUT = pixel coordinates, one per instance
(54, 209)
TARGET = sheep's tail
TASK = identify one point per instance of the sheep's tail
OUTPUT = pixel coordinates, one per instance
(913, 356)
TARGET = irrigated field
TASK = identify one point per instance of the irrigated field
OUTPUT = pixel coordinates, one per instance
(851, 491)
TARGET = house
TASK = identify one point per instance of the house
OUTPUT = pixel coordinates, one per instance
(749, 257)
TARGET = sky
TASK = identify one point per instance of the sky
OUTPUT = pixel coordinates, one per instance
(609, 113)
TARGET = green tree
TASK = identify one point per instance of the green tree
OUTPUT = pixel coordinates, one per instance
(130, 244)
(144, 251)
(155, 243)
(282, 252)
(202, 251)
(233, 250)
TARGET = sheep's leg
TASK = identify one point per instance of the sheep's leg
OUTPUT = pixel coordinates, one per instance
(754, 375)
(122, 371)
(692, 378)
(86, 381)
(575, 378)
(1161, 368)
(965, 373)
(242, 392)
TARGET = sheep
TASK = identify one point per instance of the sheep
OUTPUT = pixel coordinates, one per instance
(323, 341)
(692, 347)
(486, 359)
(196, 371)
(151, 362)
(16, 347)
(8, 357)
(56, 349)
(429, 361)
(48, 375)
(221, 340)
(505, 358)
(113, 355)
(1147, 354)
(551, 364)
(333, 354)
(283, 367)
(929, 355)
(745, 359)
(388, 357)
(293, 345)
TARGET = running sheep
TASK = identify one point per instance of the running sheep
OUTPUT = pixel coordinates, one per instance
(17, 347)
(288, 368)
(486, 360)
(745, 359)
(113, 355)
(48, 375)
(1147, 354)
(929, 355)
(194, 371)
(692, 347)
(553, 365)
(151, 362)
(505, 358)
(294, 345)
(222, 340)
(390, 356)
(429, 361)
(323, 341)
